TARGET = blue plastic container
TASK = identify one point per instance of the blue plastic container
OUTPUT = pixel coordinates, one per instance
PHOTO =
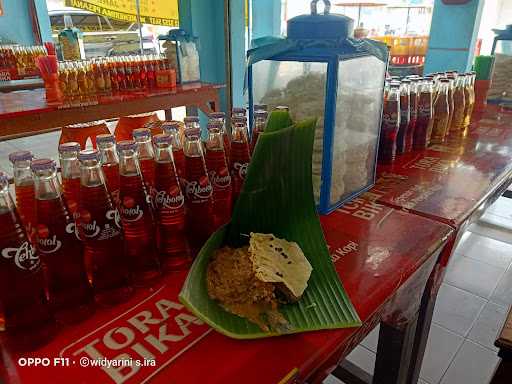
(319, 70)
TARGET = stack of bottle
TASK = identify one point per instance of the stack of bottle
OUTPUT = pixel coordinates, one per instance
(20, 61)
(423, 111)
(118, 217)
(83, 80)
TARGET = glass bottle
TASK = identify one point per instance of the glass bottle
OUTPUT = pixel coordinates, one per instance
(459, 100)
(425, 121)
(469, 95)
(24, 188)
(405, 116)
(70, 174)
(146, 156)
(61, 251)
(390, 125)
(169, 208)
(106, 144)
(240, 154)
(98, 223)
(220, 117)
(441, 113)
(172, 129)
(259, 125)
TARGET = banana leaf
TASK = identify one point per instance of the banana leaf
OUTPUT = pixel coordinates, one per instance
(277, 198)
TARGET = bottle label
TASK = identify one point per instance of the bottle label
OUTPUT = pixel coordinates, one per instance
(241, 168)
(172, 200)
(198, 190)
(91, 229)
(24, 257)
(424, 111)
(46, 243)
(129, 211)
(390, 120)
(222, 179)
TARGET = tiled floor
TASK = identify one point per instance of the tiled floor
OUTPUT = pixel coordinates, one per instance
(470, 309)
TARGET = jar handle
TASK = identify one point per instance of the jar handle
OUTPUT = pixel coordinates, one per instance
(314, 7)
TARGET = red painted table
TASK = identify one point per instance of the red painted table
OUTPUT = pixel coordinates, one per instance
(383, 261)
(26, 113)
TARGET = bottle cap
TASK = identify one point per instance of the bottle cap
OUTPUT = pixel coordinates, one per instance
(171, 126)
(126, 145)
(89, 154)
(281, 108)
(192, 132)
(191, 119)
(214, 125)
(71, 146)
(20, 156)
(141, 133)
(260, 107)
(217, 115)
(162, 139)
(105, 138)
(42, 164)
(261, 114)
(238, 111)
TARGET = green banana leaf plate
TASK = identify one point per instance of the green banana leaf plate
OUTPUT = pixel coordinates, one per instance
(277, 198)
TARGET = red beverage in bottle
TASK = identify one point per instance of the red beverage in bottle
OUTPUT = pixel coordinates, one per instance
(24, 188)
(220, 117)
(425, 116)
(390, 125)
(61, 251)
(99, 227)
(136, 216)
(405, 116)
(24, 308)
(146, 156)
(258, 126)
(70, 174)
(240, 155)
(198, 191)
(172, 129)
(121, 76)
(218, 173)
(413, 102)
(106, 144)
(169, 207)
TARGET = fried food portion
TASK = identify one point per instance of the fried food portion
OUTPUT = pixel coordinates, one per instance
(231, 280)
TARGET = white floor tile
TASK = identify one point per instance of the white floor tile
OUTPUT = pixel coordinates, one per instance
(502, 295)
(496, 221)
(473, 364)
(457, 309)
(372, 339)
(502, 207)
(442, 345)
(484, 249)
(488, 325)
(363, 358)
(473, 276)
(332, 380)
(421, 381)
(492, 232)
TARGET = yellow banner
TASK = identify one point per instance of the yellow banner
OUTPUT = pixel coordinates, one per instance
(156, 12)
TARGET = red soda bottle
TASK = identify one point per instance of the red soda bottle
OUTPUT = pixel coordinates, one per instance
(136, 216)
(169, 207)
(146, 156)
(425, 120)
(258, 126)
(390, 125)
(239, 112)
(106, 144)
(172, 129)
(198, 191)
(61, 251)
(24, 309)
(24, 188)
(220, 117)
(405, 116)
(218, 173)
(70, 174)
(413, 109)
(99, 227)
(240, 154)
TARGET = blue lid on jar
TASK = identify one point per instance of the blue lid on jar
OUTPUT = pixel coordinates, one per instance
(325, 26)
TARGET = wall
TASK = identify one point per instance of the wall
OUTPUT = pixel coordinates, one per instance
(15, 24)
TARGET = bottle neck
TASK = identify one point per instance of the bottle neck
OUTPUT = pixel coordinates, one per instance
(129, 163)
(47, 186)
(193, 147)
(145, 149)
(393, 94)
(22, 173)
(163, 153)
(260, 124)
(239, 133)
(6, 202)
(108, 154)
(215, 141)
(91, 174)
(70, 166)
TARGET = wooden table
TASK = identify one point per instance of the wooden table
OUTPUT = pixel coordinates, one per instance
(25, 113)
